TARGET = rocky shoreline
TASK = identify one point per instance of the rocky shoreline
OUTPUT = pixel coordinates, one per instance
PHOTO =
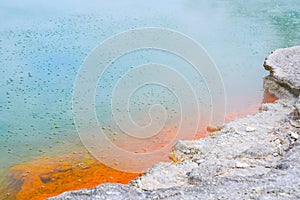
(257, 157)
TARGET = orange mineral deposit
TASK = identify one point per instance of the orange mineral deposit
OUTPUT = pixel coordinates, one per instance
(46, 177)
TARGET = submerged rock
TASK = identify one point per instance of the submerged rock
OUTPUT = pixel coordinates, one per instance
(257, 157)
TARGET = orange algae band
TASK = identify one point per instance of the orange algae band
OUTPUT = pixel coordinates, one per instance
(44, 177)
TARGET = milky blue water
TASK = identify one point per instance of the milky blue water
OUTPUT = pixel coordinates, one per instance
(43, 44)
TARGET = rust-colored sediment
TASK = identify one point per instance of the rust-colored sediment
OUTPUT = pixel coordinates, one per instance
(269, 97)
(46, 177)
(147, 145)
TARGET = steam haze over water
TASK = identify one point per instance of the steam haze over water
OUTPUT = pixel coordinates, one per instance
(44, 43)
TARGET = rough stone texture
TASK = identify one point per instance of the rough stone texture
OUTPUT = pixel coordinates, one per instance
(284, 65)
(257, 157)
(163, 177)
(105, 191)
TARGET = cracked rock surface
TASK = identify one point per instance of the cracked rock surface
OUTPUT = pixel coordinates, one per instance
(284, 65)
(256, 157)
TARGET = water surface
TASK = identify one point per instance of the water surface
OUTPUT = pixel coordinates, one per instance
(43, 44)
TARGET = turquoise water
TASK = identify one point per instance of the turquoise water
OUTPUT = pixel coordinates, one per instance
(43, 44)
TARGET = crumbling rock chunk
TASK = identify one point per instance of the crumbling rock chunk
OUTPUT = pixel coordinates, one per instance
(284, 65)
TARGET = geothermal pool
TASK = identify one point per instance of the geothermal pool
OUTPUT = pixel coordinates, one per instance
(43, 44)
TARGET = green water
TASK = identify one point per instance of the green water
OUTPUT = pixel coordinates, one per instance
(43, 44)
